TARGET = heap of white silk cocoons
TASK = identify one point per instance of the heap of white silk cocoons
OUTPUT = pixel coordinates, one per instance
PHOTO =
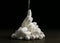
(28, 30)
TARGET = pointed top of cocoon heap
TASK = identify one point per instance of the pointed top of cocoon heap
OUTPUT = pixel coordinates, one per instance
(29, 13)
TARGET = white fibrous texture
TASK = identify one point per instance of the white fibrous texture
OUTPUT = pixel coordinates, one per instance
(28, 30)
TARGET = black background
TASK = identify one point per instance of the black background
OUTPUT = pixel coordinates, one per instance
(45, 13)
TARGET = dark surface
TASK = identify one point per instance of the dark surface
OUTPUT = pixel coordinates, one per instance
(52, 36)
